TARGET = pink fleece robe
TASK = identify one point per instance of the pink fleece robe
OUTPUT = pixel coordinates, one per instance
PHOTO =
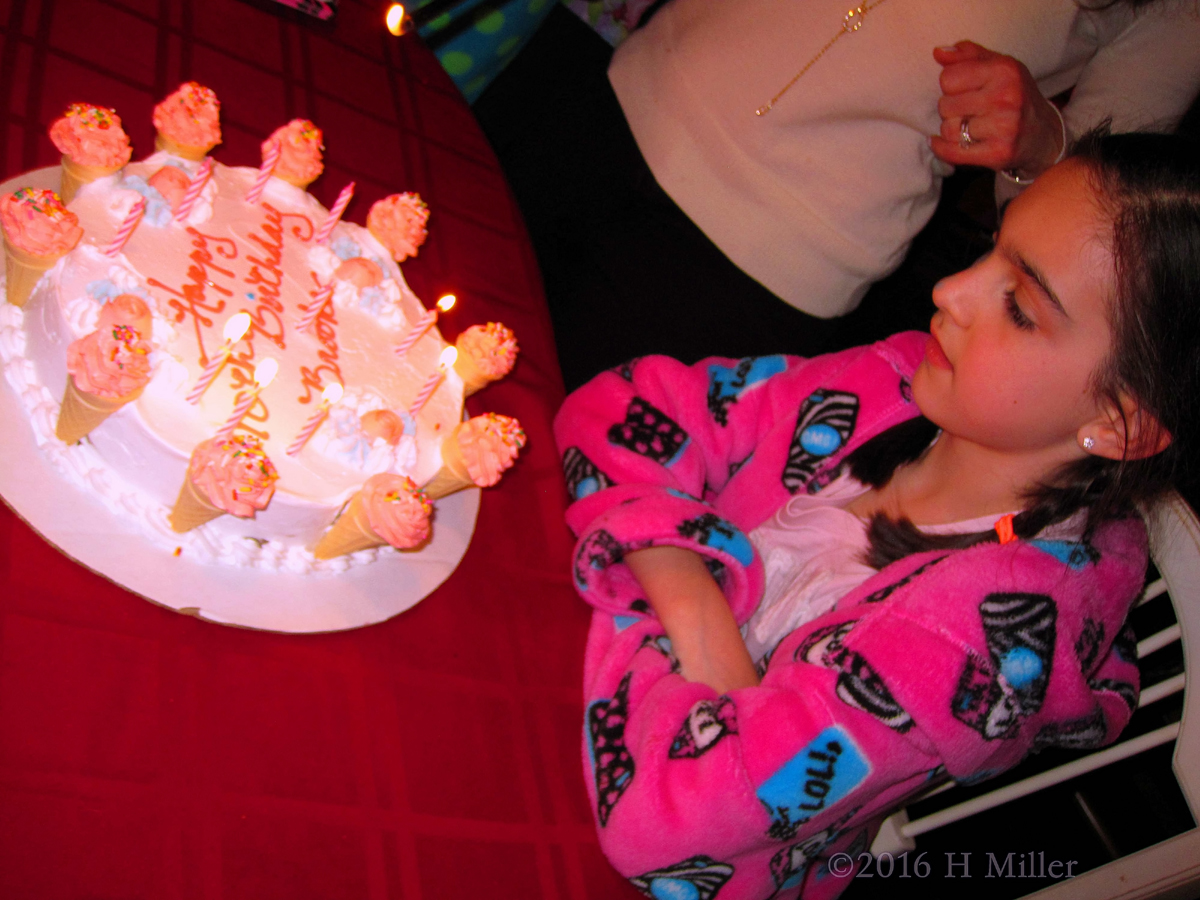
(946, 663)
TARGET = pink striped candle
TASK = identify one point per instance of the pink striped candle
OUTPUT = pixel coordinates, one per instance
(264, 173)
(263, 375)
(126, 229)
(445, 361)
(331, 395)
(335, 214)
(422, 325)
(195, 186)
(235, 328)
(319, 299)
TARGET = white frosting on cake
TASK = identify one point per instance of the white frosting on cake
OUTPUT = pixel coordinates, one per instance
(232, 257)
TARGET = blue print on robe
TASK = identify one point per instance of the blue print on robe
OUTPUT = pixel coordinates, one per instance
(611, 762)
(620, 623)
(649, 432)
(583, 478)
(727, 383)
(711, 530)
(698, 878)
(813, 780)
(994, 696)
(825, 424)
(1075, 554)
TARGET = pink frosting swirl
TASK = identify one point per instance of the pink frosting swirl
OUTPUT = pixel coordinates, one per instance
(382, 423)
(398, 222)
(490, 444)
(91, 136)
(190, 116)
(113, 360)
(492, 347)
(397, 509)
(359, 272)
(235, 475)
(300, 142)
(37, 222)
(172, 182)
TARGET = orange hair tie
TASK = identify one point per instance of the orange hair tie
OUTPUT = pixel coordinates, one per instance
(1004, 529)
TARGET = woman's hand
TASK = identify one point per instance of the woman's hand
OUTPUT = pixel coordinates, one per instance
(1011, 125)
(689, 603)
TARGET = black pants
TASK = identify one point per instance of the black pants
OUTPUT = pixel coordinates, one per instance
(626, 272)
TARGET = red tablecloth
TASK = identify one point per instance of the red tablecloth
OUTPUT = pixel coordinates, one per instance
(144, 754)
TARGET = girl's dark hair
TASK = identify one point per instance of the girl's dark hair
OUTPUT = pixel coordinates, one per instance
(1149, 186)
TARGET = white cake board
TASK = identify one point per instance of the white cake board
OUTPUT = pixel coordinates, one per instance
(116, 548)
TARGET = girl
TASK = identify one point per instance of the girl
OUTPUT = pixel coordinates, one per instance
(971, 499)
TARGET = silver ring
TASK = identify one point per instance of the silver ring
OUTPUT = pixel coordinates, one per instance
(964, 134)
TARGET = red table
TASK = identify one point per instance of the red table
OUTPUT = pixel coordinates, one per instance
(144, 754)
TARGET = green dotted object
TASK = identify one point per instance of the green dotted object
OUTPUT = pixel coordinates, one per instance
(491, 23)
(476, 85)
(536, 6)
(456, 62)
(508, 45)
(440, 22)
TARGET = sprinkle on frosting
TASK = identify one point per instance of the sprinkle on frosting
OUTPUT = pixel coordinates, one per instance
(190, 116)
(492, 348)
(489, 445)
(397, 509)
(37, 222)
(398, 222)
(300, 143)
(91, 136)
(235, 474)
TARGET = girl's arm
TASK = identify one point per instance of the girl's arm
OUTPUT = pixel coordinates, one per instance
(696, 616)
(659, 453)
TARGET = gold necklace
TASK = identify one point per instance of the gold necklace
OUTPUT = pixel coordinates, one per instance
(851, 22)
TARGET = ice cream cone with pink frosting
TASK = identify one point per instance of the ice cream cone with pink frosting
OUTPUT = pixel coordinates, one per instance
(390, 509)
(486, 353)
(93, 144)
(38, 230)
(232, 476)
(300, 152)
(107, 368)
(188, 122)
(398, 222)
(476, 453)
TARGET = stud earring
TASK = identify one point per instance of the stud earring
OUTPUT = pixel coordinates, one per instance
(1089, 443)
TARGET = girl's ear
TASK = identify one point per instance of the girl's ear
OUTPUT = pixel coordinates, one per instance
(1125, 431)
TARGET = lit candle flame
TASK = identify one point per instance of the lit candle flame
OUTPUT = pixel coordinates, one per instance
(332, 394)
(446, 302)
(448, 357)
(395, 19)
(265, 372)
(236, 327)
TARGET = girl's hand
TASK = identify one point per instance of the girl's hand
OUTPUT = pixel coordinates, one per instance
(689, 603)
(1012, 126)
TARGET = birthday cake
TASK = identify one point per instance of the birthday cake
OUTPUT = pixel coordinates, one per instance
(209, 351)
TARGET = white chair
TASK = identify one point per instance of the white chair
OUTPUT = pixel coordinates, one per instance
(1170, 869)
